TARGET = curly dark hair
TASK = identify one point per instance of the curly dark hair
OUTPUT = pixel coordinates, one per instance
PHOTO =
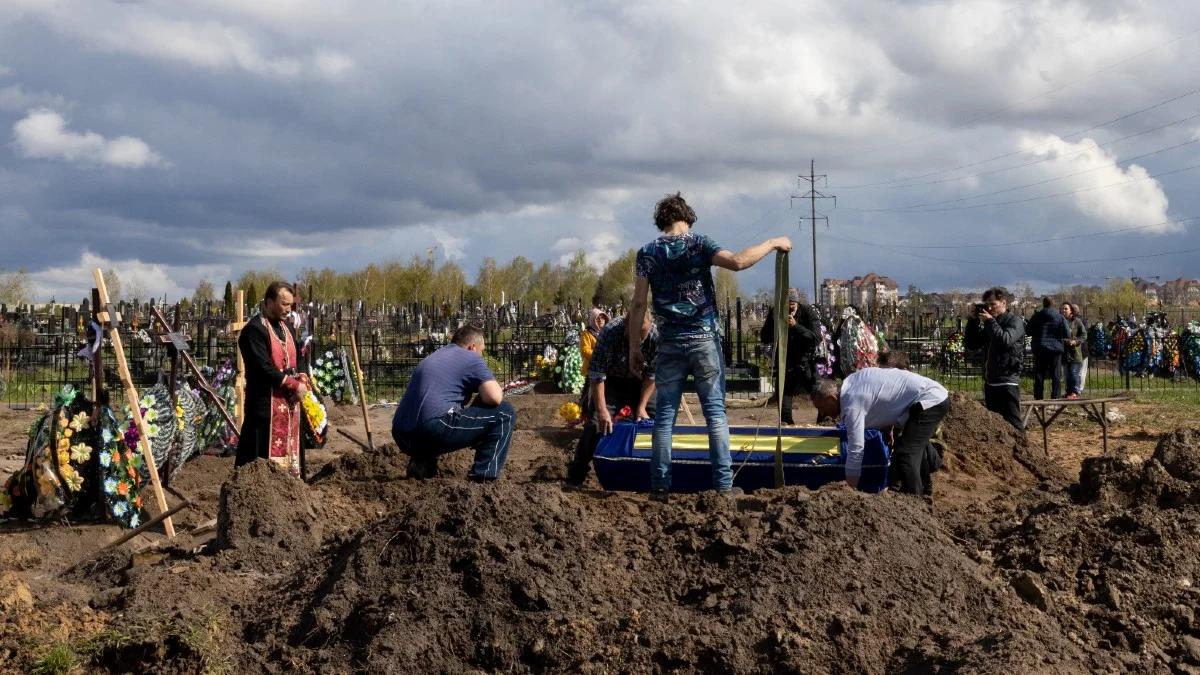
(672, 209)
(997, 293)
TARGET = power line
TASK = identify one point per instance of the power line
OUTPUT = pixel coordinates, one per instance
(1042, 160)
(1038, 198)
(1053, 90)
(1027, 262)
(1073, 134)
(1036, 183)
(1023, 242)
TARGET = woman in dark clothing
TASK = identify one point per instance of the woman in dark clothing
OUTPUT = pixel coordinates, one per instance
(804, 333)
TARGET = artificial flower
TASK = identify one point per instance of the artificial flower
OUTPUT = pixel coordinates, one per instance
(133, 520)
(80, 453)
(72, 479)
(79, 421)
(123, 488)
(105, 459)
(119, 508)
(110, 486)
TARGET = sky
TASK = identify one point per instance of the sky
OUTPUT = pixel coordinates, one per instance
(967, 142)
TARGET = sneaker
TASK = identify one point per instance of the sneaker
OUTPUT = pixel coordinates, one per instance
(421, 468)
(660, 495)
(730, 492)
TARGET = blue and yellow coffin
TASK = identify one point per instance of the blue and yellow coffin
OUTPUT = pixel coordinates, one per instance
(812, 456)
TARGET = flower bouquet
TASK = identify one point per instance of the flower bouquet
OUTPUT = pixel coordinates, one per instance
(161, 421)
(571, 413)
(316, 421)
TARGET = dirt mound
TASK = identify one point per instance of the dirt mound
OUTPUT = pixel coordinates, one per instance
(527, 578)
(1170, 478)
(266, 515)
(386, 464)
(1120, 565)
(982, 445)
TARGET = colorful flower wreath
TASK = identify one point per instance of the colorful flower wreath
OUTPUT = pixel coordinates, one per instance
(121, 471)
(570, 371)
(216, 436)
(332, 376)
(57, 460)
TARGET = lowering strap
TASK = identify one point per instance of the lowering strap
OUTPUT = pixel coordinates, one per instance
(781, 340)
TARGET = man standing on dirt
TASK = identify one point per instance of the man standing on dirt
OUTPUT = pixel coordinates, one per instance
(678, 266)
(434, 417)
(614, 387)
(882, 398)
(1048, 330)
(274, 385)
(1001, 334)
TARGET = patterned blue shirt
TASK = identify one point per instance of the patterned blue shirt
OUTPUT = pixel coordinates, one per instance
(679, 269)
(611, 356)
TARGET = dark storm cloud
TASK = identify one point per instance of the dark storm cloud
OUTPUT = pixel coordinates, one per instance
(385, 127)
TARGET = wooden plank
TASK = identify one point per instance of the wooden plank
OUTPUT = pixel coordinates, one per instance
(135, 409)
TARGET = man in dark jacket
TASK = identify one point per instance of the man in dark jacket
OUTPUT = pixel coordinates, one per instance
(1048, 331)
(804, 333)
(1001, 334)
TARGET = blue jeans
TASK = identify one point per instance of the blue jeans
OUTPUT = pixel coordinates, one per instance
(703, 360)
(1074, 371)
(488, 429)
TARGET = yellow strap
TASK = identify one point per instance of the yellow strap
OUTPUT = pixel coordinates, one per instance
(809, 445)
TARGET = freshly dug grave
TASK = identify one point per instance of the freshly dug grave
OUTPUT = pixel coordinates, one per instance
(1119, 566)
(522, 578)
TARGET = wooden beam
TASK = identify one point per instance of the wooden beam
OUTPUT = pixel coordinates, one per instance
(135, 409)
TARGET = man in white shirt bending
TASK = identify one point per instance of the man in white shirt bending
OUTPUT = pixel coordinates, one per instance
(879, 398)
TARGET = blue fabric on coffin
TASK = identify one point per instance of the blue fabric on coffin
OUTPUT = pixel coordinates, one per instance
(622, 458)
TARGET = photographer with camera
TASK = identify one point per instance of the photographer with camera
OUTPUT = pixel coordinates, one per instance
(1001, 335)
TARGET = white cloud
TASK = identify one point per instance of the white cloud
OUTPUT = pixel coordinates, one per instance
(71, 282)
(43, 134)
(453, 246)
(601, 248)
(1129, 197)
(5, 71)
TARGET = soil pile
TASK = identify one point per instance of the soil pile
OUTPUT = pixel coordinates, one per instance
(982, 445)
(523, 578)
(266, 515)
(1120, 565)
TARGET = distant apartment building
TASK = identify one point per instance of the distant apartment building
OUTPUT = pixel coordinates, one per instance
(835, 292)
(871, 290)
(1180, 292)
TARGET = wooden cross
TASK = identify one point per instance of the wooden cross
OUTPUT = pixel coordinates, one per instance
(179, 345)
(235, 329)
(112, 320)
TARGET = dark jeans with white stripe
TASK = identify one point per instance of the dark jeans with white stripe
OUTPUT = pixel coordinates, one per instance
(488, 429)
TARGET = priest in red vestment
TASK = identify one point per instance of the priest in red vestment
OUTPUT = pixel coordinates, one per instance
(275, 384)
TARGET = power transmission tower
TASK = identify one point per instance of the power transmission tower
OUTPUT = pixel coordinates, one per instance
(812, 196)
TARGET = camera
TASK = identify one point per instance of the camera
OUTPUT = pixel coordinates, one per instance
(980, 307)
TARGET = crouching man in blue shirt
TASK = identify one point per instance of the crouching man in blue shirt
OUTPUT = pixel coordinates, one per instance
(433, 418)
(880, 398)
